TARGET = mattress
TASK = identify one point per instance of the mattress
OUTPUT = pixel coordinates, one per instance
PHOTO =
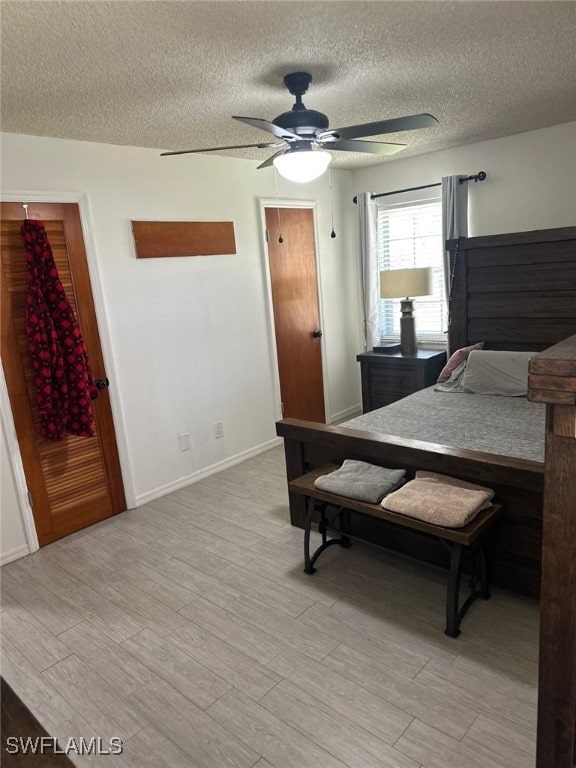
(507, 426)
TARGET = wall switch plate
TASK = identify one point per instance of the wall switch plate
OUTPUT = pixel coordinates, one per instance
(184, 441)
(218, 429)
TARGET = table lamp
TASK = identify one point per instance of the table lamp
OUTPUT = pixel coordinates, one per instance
(398, 283)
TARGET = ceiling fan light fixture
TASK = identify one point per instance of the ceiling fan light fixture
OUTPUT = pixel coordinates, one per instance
(303, 132)
(302, 165)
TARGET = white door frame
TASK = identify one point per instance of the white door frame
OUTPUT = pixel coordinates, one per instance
(286, 203)
(81, 199)
(15, 464)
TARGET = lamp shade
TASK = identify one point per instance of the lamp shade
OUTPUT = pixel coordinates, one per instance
(395, 283)
(302, 165)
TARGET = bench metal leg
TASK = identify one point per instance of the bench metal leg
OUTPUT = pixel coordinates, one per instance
(478, 585)
(484, 591)
(453, 594)
(307, 525)
(345, 528)
(343, 541)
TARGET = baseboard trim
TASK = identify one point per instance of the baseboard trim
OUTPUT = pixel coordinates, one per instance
(182, 482)
(14, 554)
(349, 413)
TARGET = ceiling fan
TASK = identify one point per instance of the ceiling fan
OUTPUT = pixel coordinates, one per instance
(303, 135)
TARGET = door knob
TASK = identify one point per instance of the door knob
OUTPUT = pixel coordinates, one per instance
(317, 334)
(101, 383)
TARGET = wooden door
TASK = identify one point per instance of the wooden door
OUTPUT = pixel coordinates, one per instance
(296, 313)
(76, 481)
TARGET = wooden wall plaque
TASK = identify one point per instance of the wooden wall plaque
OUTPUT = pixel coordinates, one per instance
(163, 239)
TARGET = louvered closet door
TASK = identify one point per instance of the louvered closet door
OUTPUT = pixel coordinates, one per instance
(76, 481)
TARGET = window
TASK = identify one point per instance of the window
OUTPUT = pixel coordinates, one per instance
(410, 235)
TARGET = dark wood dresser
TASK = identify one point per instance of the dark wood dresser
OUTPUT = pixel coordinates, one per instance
(386, 378)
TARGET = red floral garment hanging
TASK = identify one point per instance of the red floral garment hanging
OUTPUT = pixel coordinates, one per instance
(64, 382)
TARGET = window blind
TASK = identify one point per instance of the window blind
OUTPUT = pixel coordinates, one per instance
(410, 235)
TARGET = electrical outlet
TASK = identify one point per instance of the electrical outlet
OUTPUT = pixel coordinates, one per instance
(184, 441)
(218, 429)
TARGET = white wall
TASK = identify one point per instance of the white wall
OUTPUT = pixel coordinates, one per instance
(531, 180)
(188, 337)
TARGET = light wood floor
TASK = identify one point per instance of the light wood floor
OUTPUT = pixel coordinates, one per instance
(188, 629)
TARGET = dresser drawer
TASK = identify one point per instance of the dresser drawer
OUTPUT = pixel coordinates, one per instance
(393, 379)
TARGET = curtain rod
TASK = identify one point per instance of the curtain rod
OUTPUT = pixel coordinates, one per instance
(480, 176)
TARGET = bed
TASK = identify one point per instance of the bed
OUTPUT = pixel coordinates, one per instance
(515, 291)
(508, 426)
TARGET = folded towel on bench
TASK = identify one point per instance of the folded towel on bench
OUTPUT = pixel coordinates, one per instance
(434, 477)
(439, 500)
(361, 481)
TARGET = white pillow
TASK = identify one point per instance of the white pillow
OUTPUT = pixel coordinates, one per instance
(490, 372)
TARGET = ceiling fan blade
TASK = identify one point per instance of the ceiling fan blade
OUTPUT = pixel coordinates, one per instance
(372, 147)
(216, 149)
(396, 125)
(266, 125)
(270, 161)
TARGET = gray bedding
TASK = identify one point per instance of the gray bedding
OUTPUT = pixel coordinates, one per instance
(509, 426)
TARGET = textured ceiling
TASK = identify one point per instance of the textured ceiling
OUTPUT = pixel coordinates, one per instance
(170, 74)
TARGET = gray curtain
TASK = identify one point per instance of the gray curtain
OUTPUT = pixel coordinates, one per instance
(454, 219)
(367, 221)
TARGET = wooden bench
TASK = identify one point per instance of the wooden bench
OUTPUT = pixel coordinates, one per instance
(460, 542)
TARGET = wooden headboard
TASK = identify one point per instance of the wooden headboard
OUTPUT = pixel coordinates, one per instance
(514, 291)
